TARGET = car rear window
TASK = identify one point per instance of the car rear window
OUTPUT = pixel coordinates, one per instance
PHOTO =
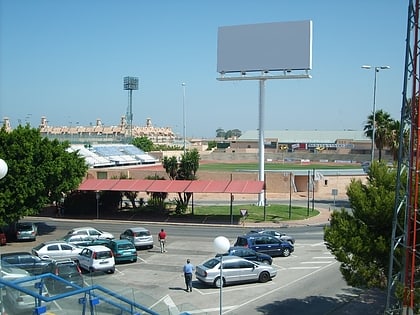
(125, 246)
(211, 263)
(143, 233)
(24, 227)
(103, 255)
(241, 241)
(67, 268)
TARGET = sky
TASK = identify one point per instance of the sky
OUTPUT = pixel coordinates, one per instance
(66, 60)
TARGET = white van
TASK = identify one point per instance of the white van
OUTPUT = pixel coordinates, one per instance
(97, 258)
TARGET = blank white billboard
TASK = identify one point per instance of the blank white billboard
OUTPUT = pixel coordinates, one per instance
(265, 47)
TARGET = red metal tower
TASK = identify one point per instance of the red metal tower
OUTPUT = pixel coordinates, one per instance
(403, 275)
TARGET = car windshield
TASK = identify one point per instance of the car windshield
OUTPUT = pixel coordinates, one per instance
(211, 263)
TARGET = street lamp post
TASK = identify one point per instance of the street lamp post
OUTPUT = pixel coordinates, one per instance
(3, 172)
(376, 69)
(184, 126)
(221, 246)
(98, 196)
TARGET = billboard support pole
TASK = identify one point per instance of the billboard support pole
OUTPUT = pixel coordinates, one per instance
(261, 150)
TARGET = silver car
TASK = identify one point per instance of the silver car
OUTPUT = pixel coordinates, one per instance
(56, 250)
(235, 270)
(139, 236)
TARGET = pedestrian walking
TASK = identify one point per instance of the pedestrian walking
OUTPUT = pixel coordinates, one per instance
(188, 271)
(162, 240)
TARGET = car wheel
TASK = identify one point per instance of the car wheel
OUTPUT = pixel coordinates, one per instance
(217, 282)
(264, 277)
(265, 261)
(286, 252)
(111, 271)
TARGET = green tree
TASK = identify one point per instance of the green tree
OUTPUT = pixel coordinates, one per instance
(186, 169)
(220, 133)
(383, 127)
(157, 199)
(360, 238)
(143, 143)
(211, 145)
(40, 171)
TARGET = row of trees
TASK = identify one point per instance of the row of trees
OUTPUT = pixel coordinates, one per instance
(229, 134)
(387, 133)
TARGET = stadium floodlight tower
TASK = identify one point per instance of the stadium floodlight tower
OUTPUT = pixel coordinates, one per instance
(130, 84)
(279, 50)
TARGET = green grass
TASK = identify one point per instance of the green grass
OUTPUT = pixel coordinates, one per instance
(274, 213)
(234, 167)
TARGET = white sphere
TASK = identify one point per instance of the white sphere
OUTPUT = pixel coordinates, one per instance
(3, 168)
(221, 244)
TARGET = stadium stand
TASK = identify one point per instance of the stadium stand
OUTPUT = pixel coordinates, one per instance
(112, 155)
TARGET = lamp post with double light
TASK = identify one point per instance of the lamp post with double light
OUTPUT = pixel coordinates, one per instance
(376, 70)
(221, 246)
(184, 123)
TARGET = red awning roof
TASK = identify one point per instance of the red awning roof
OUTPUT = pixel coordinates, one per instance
(132, 185)
(244, 187)
(174, 186)
(169, 186)
(208, 186)
(97, 184)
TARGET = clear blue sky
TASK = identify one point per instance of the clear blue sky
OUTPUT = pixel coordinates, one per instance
(66, 60)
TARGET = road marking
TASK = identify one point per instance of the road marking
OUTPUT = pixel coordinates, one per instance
(302, 268)
(315, 262)
(282, 287)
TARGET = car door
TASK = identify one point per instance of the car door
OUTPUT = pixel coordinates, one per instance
(93, 233)
(273, 246)
(248, 271)
(67, 251)
(53, 251)
(231, 271)
(85, 258)
(248, 254)
(261, 244)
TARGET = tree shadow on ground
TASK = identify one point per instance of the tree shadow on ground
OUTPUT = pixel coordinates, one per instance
(371, 302)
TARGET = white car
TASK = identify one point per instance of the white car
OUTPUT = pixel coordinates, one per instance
(97, 258)
(92, 232)
(56, 250)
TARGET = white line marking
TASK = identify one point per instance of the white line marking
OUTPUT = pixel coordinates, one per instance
(282, 287)
(316, 262)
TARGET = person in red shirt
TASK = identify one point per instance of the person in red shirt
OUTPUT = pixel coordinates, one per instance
(162, 240)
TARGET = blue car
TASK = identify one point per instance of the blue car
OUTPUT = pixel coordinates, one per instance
(265, 243)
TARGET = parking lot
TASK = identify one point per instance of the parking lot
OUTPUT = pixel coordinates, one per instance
(156, 279)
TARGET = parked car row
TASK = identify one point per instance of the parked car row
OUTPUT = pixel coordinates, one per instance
(249, 260)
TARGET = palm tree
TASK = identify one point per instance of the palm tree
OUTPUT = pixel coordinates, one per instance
(394, 140)
(383, 123)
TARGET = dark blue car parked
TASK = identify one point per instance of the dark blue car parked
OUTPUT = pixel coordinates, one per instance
(266, 244)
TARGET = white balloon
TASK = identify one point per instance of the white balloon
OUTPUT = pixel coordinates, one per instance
(221, 244)
(3, 168)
